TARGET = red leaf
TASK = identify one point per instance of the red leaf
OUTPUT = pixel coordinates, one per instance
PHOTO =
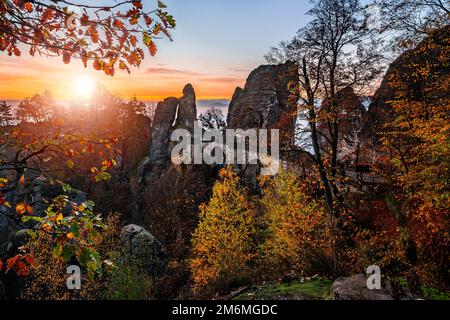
(66, 57)
(152, 48)
(29, 7)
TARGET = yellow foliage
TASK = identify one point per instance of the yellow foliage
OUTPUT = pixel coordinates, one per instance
(223, 243)
(298, 229)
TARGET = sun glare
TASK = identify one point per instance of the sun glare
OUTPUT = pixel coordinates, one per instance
(83, 88)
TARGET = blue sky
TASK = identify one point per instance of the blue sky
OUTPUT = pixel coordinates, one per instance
(230, 33)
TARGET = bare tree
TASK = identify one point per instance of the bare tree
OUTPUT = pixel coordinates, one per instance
(213, 119)
(412, 20)
(336, 51)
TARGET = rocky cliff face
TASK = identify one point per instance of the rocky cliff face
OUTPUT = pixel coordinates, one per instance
(162, 124)
(171, 114)
(267, 99)
(419, 74)
(187, 109)
(352, 137)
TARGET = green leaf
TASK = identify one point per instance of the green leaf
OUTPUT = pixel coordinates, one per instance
(31, 218)
(67, 253)
(74, 229)
(57, 250)
(146, 39)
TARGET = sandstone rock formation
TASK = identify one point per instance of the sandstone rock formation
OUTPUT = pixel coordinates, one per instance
(232, 111)
(403, 80)
(352, 136)
(187, 109)
(267, 99)
(162, 123)
(171, 114)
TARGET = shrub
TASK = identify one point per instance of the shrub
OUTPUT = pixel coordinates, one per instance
(120, 278)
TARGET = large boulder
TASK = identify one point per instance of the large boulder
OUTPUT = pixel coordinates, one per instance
(355, 288)
(143, 248)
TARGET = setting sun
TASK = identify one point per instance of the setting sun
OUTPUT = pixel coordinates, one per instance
(83, 87)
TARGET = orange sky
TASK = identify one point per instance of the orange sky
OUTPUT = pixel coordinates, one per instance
(24, 76)
(216, 45)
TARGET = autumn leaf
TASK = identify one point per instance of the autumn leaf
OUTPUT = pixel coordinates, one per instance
(47, 228)
(29, 259)
(3, 182)
(59, 218)
(137, 4)
(118, 24)
(152, 48)
(98, 65)
(47, 15)
(29, 7)
(22, 180)
(21, 269)
(21, 209)
(11, 262)
(70, 164)
(107, 164)
(148, 20)
(133, 21)
(66, 57)
(17, 52)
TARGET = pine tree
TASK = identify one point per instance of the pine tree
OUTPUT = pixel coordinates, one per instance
(6, 115)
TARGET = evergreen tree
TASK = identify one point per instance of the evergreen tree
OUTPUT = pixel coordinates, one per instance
(6, 115)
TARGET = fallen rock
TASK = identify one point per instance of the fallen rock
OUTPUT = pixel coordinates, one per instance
(143, 248)
(355, 288)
